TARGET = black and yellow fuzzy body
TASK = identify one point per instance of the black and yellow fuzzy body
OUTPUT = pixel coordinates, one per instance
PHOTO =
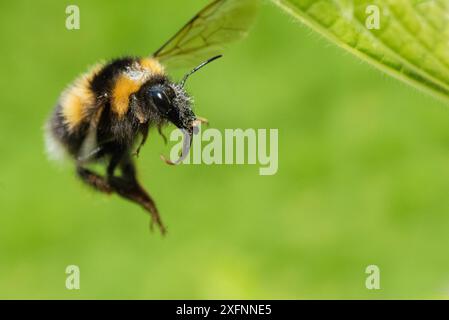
(106, 112)
(101, 115)
(115, 102)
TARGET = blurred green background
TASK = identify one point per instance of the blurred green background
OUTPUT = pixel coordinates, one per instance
(363, 170)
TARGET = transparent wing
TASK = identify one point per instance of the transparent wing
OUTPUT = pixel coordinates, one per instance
(208, 33)
(90, 146)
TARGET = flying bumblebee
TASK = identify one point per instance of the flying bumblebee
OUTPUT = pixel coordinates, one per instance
(106, 114)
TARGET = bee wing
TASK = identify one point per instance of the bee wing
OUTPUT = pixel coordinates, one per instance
(90, 146)
(208, 33)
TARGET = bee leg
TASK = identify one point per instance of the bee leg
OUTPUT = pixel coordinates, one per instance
(94, 180)
(161, 133)
(144, 131)
(202, 120)
(129, 188)
(115, 160)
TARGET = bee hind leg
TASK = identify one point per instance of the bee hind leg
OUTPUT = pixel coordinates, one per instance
(94, 180)
(129, 188)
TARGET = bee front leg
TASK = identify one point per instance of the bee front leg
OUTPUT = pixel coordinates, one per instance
(144, 129)
(202, 120)
(161, 133)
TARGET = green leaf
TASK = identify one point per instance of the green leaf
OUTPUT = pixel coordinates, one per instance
(410, 41)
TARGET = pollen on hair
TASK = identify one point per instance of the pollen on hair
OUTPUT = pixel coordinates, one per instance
(152, 65)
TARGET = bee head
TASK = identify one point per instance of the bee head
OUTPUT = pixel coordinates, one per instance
(172, 103)
(169, 102)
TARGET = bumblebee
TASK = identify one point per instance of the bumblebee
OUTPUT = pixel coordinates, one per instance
(105, 115)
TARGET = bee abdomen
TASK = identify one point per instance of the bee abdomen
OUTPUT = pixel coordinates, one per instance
(60, 141)
(78, 102)
(67, 126)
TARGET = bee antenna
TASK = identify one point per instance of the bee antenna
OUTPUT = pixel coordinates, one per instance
(183, 82)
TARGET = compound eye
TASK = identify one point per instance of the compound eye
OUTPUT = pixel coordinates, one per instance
(160, 100)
